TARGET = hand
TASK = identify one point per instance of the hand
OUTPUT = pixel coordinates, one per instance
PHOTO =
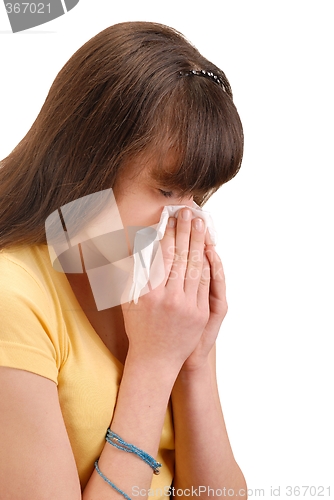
(218, 310)
(167, 323)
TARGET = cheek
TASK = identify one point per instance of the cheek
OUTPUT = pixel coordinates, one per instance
(143, 212)
(147, 216)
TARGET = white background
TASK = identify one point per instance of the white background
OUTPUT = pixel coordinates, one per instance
(274, 219)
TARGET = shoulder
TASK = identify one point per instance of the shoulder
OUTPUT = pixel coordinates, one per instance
(24, 281)
(25, 261)
(27, 272)
(30, 330)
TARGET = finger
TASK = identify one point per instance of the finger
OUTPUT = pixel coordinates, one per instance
(203, 291)
(168, 247)
(195, 257)
(216, 266)
(218, 302)
(178, 270)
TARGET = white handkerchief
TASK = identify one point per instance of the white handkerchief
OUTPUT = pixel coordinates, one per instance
(148, 261)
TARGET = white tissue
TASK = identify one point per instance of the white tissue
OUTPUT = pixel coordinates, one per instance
(148, 261)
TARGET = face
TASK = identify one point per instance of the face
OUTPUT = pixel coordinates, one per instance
(140, 199)
(139, 202)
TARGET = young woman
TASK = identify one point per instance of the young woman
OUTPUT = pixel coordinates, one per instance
(139, 110)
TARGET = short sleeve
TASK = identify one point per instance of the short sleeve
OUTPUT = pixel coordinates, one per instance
(27, 326)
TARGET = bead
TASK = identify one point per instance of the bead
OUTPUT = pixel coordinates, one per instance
(203, 72)
(96, 465)
(119, 443)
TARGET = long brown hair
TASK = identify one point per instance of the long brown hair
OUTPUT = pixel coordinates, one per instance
(121, 95)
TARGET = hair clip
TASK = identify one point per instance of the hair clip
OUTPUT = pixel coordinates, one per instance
(206, 74)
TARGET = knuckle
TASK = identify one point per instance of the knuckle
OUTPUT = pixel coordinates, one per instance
(168, 253)
(172, 302)
(204, 280)
(152, 298)
(181, 256)
(193, 273)
(223, 308)
(196, 261)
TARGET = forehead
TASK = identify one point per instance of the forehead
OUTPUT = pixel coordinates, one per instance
(149, 165)
(133, 176)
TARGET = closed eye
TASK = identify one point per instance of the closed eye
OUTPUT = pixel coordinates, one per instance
(166, 194)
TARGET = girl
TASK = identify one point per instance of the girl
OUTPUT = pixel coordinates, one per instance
(95, 403)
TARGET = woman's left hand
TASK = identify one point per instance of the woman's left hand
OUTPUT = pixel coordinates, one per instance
(218, 308)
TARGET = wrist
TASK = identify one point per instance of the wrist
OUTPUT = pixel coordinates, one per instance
(194, 375)
(142, 402)
(161, 372)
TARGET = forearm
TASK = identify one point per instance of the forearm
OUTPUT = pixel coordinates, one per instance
(138, 419)
(203, 455)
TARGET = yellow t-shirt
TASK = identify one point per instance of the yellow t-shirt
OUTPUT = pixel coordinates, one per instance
(44, 330)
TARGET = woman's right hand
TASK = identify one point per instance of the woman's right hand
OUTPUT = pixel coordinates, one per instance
(167, 323)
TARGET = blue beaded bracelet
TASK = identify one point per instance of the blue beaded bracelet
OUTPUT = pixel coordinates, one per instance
(98, 470)
(119, 443)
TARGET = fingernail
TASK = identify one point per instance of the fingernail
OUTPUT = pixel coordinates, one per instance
(171, 222)
(198, 225)
(186, 214)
